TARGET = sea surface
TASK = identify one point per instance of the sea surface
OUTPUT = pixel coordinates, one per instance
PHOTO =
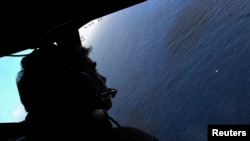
(178, 65)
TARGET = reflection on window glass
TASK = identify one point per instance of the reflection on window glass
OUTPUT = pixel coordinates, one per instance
(87, 30)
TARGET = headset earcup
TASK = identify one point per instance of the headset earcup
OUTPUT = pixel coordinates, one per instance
(83, 89)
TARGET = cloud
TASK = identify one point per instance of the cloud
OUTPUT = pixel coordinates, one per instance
(18, 114)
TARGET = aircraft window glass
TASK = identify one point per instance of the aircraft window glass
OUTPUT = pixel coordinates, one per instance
(11, 109)
(87, 30)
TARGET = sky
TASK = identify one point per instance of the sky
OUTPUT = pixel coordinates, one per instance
(11, 109)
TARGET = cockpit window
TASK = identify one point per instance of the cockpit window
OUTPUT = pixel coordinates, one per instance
(11, 108)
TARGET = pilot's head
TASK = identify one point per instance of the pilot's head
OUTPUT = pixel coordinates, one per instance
(59, 83)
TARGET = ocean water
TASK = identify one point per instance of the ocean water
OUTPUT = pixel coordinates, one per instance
(178, 65)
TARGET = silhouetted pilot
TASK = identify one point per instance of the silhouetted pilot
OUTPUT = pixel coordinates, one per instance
(57, 86)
